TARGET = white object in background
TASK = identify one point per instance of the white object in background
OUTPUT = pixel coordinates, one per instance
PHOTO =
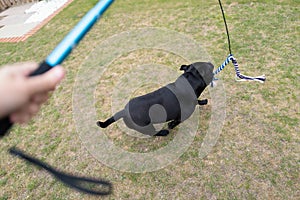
(43, 9)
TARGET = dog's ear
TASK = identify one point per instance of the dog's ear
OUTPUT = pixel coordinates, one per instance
(184, 67)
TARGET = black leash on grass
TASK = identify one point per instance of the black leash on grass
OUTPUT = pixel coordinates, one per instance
(82, 184)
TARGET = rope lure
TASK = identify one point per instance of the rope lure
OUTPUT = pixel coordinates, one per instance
(239, 76)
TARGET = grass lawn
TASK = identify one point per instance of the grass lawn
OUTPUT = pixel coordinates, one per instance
(257, 155)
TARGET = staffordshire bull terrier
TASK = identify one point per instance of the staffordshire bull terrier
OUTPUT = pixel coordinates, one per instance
(173, 103)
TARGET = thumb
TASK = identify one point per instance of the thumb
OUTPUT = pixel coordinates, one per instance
(45, 82)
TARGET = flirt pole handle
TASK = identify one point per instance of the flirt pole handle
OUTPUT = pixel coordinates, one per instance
(64, 48)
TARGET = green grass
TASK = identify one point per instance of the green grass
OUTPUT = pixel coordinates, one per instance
(257, 153)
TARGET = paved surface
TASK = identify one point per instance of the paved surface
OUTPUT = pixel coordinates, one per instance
(14, 25)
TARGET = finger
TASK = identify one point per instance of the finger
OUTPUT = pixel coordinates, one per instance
(33, 108)
(20, 118)
(18, 69)
(45, 82)
(40, 98)
(30, 109)
(24, 68)
(28, 67)
(25, 114)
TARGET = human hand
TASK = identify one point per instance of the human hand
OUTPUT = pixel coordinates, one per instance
(21, 96)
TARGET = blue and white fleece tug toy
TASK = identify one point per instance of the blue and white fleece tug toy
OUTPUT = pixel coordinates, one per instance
(239, 76)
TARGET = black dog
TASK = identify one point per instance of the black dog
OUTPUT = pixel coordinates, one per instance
(172, 103)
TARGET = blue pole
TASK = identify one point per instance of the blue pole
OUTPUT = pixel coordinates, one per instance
(64, 48)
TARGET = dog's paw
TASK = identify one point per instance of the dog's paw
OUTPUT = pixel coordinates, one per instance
(202, 102)
(101, 124)
(162, 133)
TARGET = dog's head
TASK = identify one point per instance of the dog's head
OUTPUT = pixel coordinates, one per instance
(204, 69)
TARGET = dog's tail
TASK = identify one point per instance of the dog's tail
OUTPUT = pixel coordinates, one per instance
(111, 120)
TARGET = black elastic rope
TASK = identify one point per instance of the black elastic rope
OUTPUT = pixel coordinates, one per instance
(78, 183)
(227, 32)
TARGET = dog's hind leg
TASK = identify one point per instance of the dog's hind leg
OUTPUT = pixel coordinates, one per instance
(111, 120)
(173, 124)
(162, 133)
